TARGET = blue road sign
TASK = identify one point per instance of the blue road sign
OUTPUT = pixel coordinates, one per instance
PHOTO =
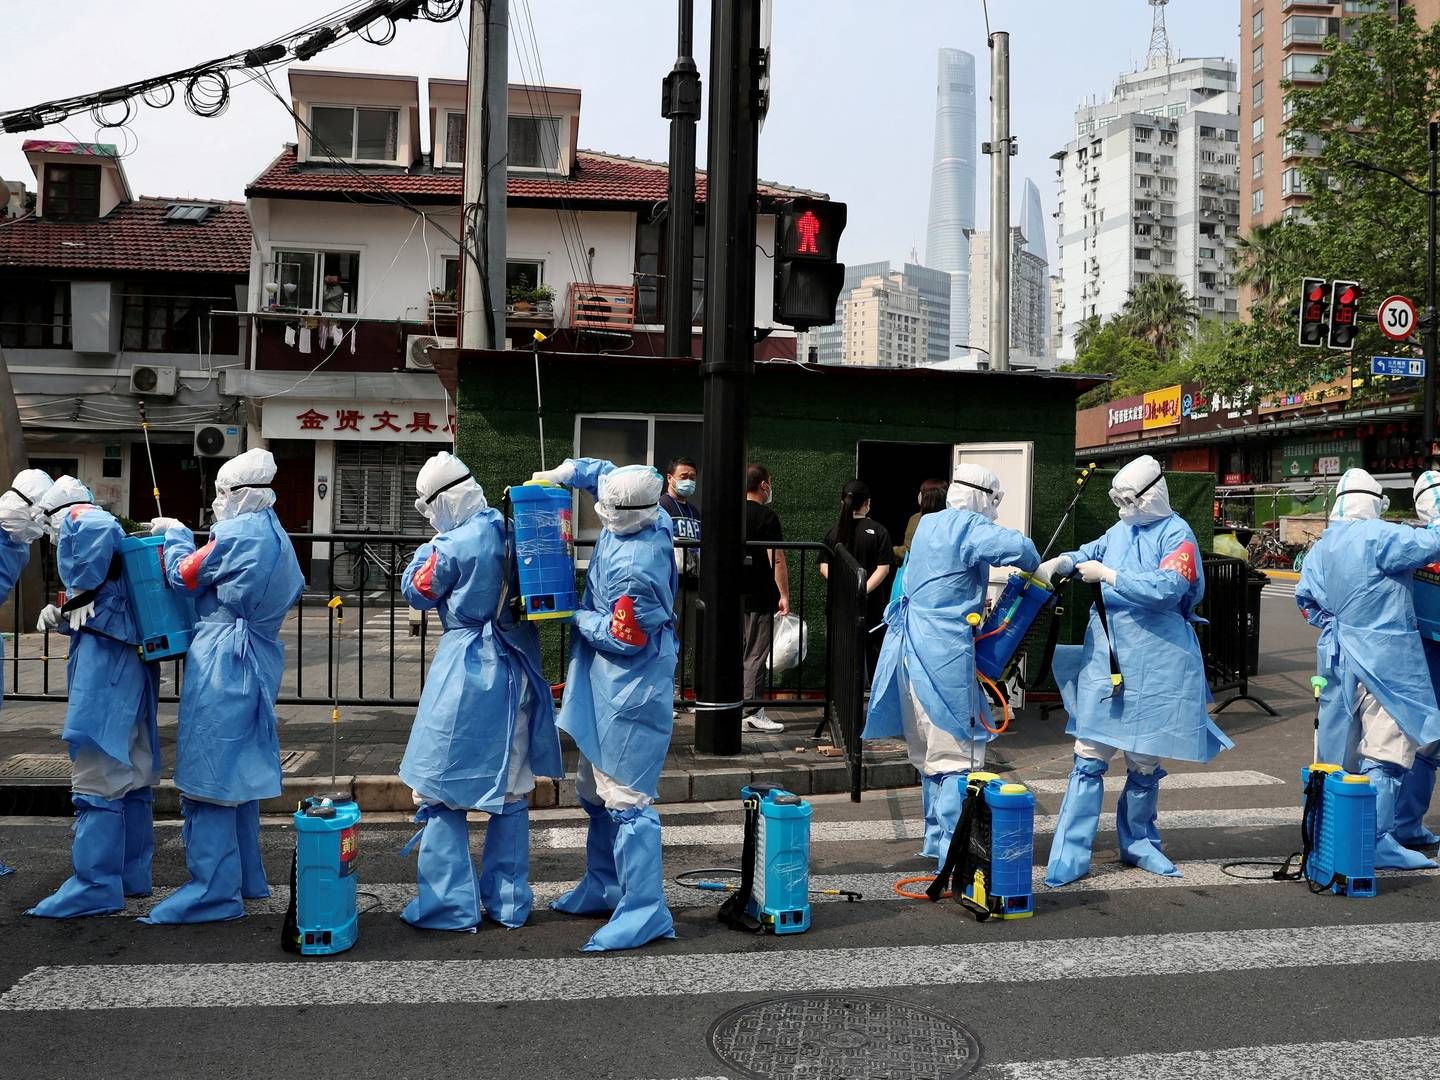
(1409, 366)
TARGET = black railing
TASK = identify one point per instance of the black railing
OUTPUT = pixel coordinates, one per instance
(845, 659)
(1230, 635)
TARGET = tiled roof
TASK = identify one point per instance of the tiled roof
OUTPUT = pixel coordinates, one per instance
(599, 178)
(134, 237)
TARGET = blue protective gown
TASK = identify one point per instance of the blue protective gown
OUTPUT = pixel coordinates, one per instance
(110, 687)
(244, 582)
(1356, 586)
(619, 695)
(13, 558)
(1162, 709)
(460, 746)
(946, 575)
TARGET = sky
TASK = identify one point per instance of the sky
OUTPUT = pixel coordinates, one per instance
(852, 93)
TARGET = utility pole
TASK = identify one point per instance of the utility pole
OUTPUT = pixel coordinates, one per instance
(680, 105)
(1000, 147)
(1431, 330)
(482, 226)
(736, 64)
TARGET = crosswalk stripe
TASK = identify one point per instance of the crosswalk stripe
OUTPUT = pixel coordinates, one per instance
(1173, 781)
(570, 837)
(669, 972)
(1298, 1061)
(391, 897)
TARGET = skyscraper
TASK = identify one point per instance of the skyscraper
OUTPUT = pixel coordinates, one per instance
(952, 185)
(1032, 227)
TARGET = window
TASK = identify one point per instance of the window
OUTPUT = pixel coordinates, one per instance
(1304, 67)
(375, 486)
(1257, 164)
(1257, 129)
(1207, 132)
(165, 316)
(1257, 202)
(1207, 253)
(354, 134)
(35, 315)
(1257, 23)
(1144, 206)
(450, 274)
(523, 274)
(313, 281)
(72, 192)
(1257, 93)
(1292, 182)
(534, 142)
(1308, 30)
(630, 440)
(652, 274)
(1257, 58)
(1142, 254)
(1142, 158)
(454, 148)
(1143, 134)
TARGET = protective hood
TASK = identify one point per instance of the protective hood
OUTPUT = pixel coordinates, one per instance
(58, 498)
(629, 498)
(19, 515)
(242, 486)
(1139, 492)
(1358, 497)
(1427, 497)
(449, 494)
(975, 488)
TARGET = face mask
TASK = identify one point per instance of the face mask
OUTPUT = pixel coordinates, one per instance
(221, 507)
(769, 494)
(684, 488)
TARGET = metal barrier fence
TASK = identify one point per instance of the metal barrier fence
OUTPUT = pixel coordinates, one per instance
(1231, 632)
(845, 660)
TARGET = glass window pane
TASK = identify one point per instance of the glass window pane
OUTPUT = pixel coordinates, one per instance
(618, 439)
(295, 275)
(377, 134)
(333, 132)
(534, 142)
(454, 138)
(342, 277)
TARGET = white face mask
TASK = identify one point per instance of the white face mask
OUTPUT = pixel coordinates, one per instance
(769, 493)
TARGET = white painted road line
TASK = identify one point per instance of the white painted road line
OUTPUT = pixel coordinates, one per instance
(85, 987)
(1173, 782)
(567, 837)
(391, 897)
(1298, 1061)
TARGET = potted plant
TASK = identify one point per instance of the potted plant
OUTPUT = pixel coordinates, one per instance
(518, 296)
(543, 296)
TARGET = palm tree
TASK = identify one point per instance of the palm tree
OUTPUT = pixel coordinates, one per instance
(1267, 261)
(1159, 311)
(1086, 332)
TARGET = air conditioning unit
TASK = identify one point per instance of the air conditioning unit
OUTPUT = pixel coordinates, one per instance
(417, 350)
(217, 440)
(154, 380)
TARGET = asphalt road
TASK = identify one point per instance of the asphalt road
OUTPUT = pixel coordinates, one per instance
(1124, 975)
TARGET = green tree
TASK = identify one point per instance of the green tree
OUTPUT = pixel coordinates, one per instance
(1132, 363)
(1159, 311)
(1269, 261)
(1085, 333)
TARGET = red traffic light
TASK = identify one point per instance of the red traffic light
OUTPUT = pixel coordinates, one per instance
(1317, 292)
(1344, 309)
(810, 229)
(807, 230)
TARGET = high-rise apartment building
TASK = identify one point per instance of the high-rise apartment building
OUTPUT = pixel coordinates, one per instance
(952, 184)
(883, 324)
(825, 344)
(1150, 186)
(1029, 296)
(1032, 224)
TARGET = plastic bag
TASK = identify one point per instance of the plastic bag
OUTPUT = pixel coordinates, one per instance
(790, 642)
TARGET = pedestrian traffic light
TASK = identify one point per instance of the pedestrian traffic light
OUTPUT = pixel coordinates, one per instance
(1344, 308)
(807, 277)
(1314, 306)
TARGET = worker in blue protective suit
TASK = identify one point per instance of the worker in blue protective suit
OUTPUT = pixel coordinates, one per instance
(1147, 566)
(1413, 800)
(486, 723)
(925, 686)
(19, 528)
(1378, 708)
(110, 719)
(618, 698)
(245, 580)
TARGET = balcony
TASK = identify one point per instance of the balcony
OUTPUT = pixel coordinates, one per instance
(1309, 5)
(1308, 30)
(601, 307)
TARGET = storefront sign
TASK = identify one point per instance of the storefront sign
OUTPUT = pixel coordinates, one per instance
(357, 421)
(1161, 408)
(1320, 457)
(1125, 416)
(1318, 394)
(1202, 411)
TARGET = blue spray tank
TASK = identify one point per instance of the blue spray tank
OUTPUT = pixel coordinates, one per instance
(992, 854)
(1338, 831)
(541, 533)
(164, 616)
(774, 890)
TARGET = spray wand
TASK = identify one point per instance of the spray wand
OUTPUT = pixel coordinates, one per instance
(154, 484)
(1317, 684)
(337, 605)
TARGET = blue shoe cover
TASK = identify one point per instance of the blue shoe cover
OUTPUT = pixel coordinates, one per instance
(948, 803)
(253, 885)
(641, 916)
(1413, 802)
(212, 855)
(449, 896)
(6, 869)
(930, 847)
(98, 855)
(1135, 822)
(505, 865)
(599, 890)
(1079, 818)
(1390, 854)
(139, 812)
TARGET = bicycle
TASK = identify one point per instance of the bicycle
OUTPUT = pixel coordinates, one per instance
(360, 563)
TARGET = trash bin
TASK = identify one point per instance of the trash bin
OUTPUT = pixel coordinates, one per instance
(1255, 587)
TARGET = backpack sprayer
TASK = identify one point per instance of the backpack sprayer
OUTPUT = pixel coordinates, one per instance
(774, 891)
(540, 546)
(323, 918)
(988, 865)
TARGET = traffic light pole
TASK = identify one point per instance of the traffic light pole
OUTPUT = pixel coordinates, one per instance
(735, 69)
(681, 106)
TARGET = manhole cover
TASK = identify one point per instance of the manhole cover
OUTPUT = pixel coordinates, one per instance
(843, 1037)
(36, 767)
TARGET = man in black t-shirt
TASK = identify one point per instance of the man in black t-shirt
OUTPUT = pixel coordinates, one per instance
(874, 550)
(766, 589)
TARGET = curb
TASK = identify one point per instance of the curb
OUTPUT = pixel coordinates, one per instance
(1282, 575)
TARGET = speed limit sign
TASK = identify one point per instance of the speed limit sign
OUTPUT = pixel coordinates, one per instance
(1396, 317)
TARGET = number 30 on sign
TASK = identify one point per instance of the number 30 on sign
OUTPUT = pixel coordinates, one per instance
(1396, 317)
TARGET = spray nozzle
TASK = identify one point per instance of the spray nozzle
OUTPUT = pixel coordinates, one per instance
(1317, 684)
(973, 618)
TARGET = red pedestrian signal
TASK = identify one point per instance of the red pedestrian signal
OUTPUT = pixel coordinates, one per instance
(807, 229)
(1344, 312)
(1314, 312)
(808, 277)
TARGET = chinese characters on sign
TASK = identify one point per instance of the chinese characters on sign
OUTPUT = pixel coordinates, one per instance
(392, 421)
(1162, 408)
